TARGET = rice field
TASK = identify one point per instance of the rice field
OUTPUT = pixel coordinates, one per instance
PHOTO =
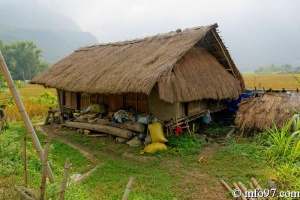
(36, 111)
(274, 81)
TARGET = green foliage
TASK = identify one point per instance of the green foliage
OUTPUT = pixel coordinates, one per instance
(283, 149)
(184, 144)
(23, 59)
(45, 98)
(283, 143)
(287, 176)
(216, 130)
(277, 68)
(11, 164)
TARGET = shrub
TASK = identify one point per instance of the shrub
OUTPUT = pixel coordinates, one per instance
(184, 144)
(283, 149)
(45, 98)
(283, 143)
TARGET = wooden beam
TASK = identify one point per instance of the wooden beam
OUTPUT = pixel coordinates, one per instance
(101, 128)
(224, 52)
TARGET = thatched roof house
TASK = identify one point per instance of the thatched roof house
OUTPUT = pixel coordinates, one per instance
(184, 66)
(259, 113)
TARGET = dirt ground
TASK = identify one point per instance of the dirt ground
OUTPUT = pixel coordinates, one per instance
(195, 184)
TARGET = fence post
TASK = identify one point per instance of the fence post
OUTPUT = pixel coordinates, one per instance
(23, 113)
(128, 188)
(64, 181)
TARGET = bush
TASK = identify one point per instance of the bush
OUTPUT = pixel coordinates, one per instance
(283, 144)
(184, 144)
(283, 149)
(45, 98)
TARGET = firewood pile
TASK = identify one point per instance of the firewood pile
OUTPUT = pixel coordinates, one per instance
(121, 125)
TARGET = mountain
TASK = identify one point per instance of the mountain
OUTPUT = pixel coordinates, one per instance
(54, 33)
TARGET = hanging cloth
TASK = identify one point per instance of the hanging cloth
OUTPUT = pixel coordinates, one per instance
(178, 130)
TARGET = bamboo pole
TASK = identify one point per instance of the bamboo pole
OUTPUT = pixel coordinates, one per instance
(252, 188)
(244, 189)
(23, 194)
(242, 194)
(23, 113)
(29, 192)
(24, 162)
(226, 186)
(255, 183)
(64, 181)
(128, 188)
(44, 169)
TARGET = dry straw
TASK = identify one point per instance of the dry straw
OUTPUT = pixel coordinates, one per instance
(182, 72)
(260, 113)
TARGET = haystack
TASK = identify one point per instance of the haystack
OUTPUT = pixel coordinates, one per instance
(259, 113)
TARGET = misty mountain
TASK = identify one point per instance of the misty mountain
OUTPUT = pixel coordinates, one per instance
(56, 34)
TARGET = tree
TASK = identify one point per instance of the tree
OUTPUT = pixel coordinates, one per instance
(23, 59)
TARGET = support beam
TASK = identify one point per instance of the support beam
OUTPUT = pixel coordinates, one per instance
(224, 52)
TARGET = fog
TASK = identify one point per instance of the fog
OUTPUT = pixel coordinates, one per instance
(256, 32)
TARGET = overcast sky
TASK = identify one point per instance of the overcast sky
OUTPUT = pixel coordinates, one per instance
(256, 32)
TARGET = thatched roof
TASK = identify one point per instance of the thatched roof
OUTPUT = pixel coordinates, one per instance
(259, 113)
(187, 65)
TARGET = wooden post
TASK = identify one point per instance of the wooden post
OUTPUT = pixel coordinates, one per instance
(128, 188)
(23, 113)
(52, 117)
(64, 181)
(44, 169)
(48, 116)
(60, 106)
(24, 162)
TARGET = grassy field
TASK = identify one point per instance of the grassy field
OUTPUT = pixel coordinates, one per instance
(163, 176)
(274, 81)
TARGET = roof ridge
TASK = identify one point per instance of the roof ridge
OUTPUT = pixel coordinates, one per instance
(138, 40)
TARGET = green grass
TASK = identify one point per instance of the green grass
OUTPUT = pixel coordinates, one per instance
(238, 162)
(11, 165)
(162, 176)
(184, 144)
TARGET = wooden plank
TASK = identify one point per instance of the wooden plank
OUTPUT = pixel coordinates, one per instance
(143, 107)
(130, 101)
(101, 128)
(68, 99)
(74, 102)
(197, 106)
(93, 98)
(115, 103)
(85, 101)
